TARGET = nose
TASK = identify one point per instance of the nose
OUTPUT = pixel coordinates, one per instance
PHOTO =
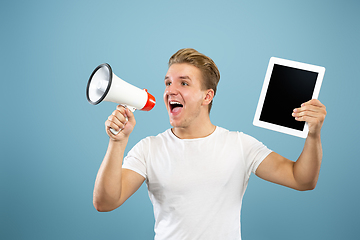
(171, 90)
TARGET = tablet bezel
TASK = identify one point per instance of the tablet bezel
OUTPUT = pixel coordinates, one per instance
(288, 63)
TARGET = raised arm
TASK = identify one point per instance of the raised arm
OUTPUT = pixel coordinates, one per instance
(302, 174)
(113, 184)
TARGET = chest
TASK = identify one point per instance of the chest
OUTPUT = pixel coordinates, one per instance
(189, 169)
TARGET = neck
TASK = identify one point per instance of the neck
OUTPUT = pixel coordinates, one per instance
(204, 129)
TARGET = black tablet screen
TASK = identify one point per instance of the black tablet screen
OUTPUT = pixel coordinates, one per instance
(288, 89)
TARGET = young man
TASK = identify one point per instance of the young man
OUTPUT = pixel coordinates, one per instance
(196, 172)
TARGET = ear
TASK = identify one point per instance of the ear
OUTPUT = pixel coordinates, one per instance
(209, 95)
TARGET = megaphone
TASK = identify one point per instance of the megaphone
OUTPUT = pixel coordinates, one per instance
(104, 85)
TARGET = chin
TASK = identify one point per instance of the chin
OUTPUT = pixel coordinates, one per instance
(175, 123)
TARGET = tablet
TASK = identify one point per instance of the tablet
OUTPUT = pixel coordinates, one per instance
(287, 85)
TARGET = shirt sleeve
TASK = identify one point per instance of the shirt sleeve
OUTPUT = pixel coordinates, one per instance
(254, 152)
(135, 159)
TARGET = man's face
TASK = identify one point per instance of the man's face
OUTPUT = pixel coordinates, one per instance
(184, 95)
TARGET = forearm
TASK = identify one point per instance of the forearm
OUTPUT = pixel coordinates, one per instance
(307, 167)
(107, 190)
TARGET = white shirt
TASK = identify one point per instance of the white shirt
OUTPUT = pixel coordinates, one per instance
(196, 185)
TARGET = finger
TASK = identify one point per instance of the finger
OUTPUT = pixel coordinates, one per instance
(116, 121)
(309, 106)
(120, 108)
(117, 116)
(130, 115)
(309, 116)
(313, 102)
(311, 110)
(120, 113)
(110, 124)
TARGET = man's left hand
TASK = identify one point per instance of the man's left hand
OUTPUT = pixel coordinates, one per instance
(313, 112)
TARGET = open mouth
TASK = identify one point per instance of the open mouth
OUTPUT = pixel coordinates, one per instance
(175, 106)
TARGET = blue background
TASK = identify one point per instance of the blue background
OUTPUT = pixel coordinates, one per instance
(53, 140)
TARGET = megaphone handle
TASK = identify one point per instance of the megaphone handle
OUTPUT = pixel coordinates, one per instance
(132, 109)
(114, 132)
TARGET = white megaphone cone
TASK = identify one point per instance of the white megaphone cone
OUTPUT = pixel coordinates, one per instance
(104, 85)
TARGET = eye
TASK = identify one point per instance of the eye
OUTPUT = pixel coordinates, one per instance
(167, 83)
(184, 84)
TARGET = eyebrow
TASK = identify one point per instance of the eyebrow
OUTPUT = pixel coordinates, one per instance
(185, 77)
(181, 77)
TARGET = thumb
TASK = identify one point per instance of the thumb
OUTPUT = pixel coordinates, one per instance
(130, 116)
(130, 123)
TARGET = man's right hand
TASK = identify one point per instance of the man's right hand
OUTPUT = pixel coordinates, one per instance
(123, 120)
(113, 184)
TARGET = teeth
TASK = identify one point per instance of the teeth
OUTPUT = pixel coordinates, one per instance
(173, 103)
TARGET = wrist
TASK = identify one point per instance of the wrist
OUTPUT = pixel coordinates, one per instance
(119, 142)
(314, 136)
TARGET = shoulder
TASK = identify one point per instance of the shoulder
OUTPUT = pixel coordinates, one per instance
(237, 137)
(148, 144)
(150, 140)
(222, 132)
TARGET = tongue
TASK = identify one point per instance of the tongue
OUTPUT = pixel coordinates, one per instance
(176, 110)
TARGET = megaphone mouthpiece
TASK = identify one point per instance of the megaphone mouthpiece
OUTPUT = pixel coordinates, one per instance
(150, 103)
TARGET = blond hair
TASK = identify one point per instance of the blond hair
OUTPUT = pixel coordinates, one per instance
(208, 68)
